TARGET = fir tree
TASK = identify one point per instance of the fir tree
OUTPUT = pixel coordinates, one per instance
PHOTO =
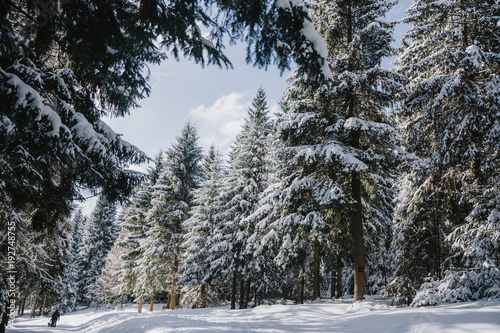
(133, 224)
(172, 199)
(100, 234)
(247, 178)
(450, 121)
(71, 277)
(200, 288)
(339, 145)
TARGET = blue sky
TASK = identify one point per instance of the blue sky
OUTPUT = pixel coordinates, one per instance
(215, 99)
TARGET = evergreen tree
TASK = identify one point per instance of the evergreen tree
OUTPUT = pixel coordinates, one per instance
(247, 178)
(340, 147)
(172, 199)
(450, 122)
(200, 288)
(100, 234)
(133, 225)
(71, 278)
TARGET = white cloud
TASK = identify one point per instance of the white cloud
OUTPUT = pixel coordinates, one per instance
(221, 122)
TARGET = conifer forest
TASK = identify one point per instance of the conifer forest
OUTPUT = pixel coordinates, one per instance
(368, 181)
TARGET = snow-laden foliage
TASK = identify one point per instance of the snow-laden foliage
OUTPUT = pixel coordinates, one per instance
(71, 282)
(231, 253)
(451, 122)
(171, 201)
(200, 287)
(99, 236)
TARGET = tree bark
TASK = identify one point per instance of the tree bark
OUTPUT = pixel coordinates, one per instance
(338, 290)
(139, 309)
(202, 303)
(247, 294)
(302, 287)
(174, 285)
(151, 305)
(33, 308)
(242, 293)
(357, 234)
(316, 269)
(43, 306)
(233, 292)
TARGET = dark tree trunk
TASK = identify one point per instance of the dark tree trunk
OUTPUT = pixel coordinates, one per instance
(203, 298)
(247, 294)
(357, 234)
(316, 270)
(336, 286)
(233, 292)
(302, 287)
(173, 298)
(357, 214)
(242, 293)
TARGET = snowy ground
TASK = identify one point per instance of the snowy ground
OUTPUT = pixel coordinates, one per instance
(321, 316)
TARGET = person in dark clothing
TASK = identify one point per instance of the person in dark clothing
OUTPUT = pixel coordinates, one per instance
(55, 318)
(5, 320)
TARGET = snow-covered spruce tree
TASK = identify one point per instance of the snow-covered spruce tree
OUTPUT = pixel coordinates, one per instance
(200, 289)
(100, 234)
(172, 200)
(108, 283)
(451, 122)
(133, 225)
(71, 277)
(151, 269)
(246, 179)
(340, 146)
(358, 39)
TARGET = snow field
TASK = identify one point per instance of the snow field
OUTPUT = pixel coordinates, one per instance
(321, 316)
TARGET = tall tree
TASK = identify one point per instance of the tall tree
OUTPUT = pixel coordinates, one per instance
(340, 146)
(200, 288)
(450, 121)
(246, 179)
(100, 234)
(71, 277)
(133, 224)
(172, 200)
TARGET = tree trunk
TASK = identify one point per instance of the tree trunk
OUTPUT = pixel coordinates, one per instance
(357, 234)
(338, 290)
(242, 293)
(302, 287)
(43, 306)
(174, 285)
(139, 309)
(357, 214)
(121, 302)
(247, 296)
(152, 302)
(202, 303)
(316, 270)
(20, 310)
(336, 283)
(33, 308)
(233, 292)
